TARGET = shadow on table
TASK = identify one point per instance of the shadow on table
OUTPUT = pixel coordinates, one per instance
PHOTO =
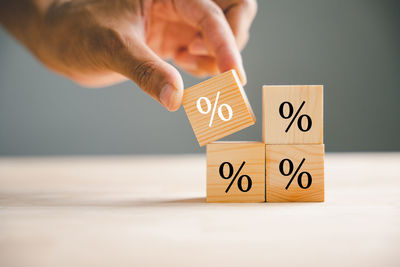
(61, 200)
(67, 200)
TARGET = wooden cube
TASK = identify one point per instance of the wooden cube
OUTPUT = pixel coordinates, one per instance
(293, 114)
(217, 107)
(236, 172)
(295, 173)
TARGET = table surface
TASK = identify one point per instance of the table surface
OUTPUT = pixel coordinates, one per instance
(141, 211)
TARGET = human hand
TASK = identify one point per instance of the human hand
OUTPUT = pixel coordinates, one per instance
(102, 42)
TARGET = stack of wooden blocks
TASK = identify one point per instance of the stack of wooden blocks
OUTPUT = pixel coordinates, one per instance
(287, 166)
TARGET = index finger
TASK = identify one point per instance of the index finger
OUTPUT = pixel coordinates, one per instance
(239, 14)
(217, 34)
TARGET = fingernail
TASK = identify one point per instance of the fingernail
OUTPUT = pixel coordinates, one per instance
(170, 97)
(242, 74)
(188, 64)
(198, 48)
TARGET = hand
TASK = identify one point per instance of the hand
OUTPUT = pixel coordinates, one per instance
(102, 42)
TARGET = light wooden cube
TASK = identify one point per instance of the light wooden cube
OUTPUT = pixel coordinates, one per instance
(210, 120)
(284, 162)
(230, 167)
(283, 124)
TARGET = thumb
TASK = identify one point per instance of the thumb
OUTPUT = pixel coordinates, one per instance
(152, 74)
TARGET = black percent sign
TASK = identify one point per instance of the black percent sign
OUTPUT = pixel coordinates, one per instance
(230, 174)
(290, 115)
(299, 177)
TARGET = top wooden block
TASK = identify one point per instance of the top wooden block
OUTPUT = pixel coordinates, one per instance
(293, 114)
(217, 107)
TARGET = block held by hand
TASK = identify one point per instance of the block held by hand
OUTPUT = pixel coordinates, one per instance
(217, 107)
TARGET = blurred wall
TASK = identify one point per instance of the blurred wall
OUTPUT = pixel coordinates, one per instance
(352, 47)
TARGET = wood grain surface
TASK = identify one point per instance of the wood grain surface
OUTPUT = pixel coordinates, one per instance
(231, 93)
(245, 158)
(308, 160)
(275, 126)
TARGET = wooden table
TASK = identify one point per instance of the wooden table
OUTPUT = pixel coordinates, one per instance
(141, 211)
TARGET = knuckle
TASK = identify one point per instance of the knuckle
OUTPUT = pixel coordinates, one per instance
(144, 73)
(253, 6)
(214, 13)
(250, 6)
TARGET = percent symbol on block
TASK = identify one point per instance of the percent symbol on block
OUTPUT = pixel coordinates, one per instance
(299, 119)
(214, 109)
(299, 177)
(230, 174)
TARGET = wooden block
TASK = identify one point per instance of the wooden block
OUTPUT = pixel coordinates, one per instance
(303, 163)
(217, 107)
(283, 124)
(230, 167)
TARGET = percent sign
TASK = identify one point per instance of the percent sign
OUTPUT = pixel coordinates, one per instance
(299, 177)
(299, 120)
(208, 103)
(230, 174)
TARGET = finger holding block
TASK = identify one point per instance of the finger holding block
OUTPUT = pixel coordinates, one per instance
(293, 114)
(217, 107)
(295, 173)
(236, 172)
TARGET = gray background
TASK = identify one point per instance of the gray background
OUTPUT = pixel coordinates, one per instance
(352, 47)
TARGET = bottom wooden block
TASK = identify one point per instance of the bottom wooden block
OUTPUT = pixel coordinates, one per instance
(236, 172)
(295, 173)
